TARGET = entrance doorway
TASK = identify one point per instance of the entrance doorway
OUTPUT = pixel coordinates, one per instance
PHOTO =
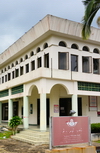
(65, 105)
(47, 110)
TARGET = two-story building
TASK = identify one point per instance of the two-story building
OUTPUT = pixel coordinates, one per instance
(49, 71)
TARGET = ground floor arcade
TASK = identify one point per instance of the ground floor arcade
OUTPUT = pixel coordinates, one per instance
(42, 99)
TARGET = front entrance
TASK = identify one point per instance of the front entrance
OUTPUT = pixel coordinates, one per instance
(47, 110)
(65, 105)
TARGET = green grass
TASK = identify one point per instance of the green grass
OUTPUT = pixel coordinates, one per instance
(5, 134)
(97, 141)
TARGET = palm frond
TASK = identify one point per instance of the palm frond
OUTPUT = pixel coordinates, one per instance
(92, 6)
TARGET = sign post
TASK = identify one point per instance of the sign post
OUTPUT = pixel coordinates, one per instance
(69, 130)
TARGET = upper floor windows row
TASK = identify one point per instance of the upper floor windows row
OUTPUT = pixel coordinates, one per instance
(89, 64)
(75, 46)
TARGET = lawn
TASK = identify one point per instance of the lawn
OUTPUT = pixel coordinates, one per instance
(6, 134)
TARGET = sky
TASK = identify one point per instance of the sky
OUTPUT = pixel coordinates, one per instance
(18, 16)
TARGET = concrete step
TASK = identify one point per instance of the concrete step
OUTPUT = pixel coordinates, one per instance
(33, 137)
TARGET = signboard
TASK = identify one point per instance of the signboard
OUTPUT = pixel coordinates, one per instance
(70, 130)
(56, 108)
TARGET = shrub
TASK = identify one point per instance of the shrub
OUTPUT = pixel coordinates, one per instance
(14, 123)
(95, 128)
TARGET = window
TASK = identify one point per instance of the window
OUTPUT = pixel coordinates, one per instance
(63, 61)
(27, 68)
(13, 74)
(87, 64)
(16, 62)
(33, 65)
(21, 60)
(32, 53)
(12, 65)
(9, 76)
(85, 48)
(95, 66)
(21, 70)
(39, 62)
(96, 51)
(74, 63)
(45, 45)
(38, 50)
(46, 60)
(63, 44)
(74, 46)
(26, 57)
(8, 67)
(16, 72)
(5, 78)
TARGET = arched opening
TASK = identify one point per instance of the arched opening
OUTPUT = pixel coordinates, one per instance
(74, 46)
(38, 50)
(96, 51)
(85, 48)
(45, 45)
(62, 43)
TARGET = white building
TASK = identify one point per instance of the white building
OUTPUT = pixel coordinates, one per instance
(49, 71)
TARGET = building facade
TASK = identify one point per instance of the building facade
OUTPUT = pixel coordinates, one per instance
(49, 71)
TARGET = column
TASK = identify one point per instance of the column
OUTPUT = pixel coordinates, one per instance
(25, 112)
(43, 123)
(0, 112)
(10, 109)
(75, 104)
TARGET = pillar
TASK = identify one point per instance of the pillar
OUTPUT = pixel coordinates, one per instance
(25, 112)
(43, 116)
(75, 104)
(0, 112)
(10, 109)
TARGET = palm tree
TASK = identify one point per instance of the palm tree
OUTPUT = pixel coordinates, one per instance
(91, 8)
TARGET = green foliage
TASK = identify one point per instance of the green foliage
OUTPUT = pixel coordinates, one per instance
(14, 123)
(95, 128)
(91, 8)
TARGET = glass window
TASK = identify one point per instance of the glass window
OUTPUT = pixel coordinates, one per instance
(46, 60)
(39, 62)
(95, 66)
(63, 61)
(74, 63)
(2, 79)
(33, 65)
(13, 74)
(17, 72)
(5, 78)
(21, 70)
(85, 64)
(9, 76)
(27, 68)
